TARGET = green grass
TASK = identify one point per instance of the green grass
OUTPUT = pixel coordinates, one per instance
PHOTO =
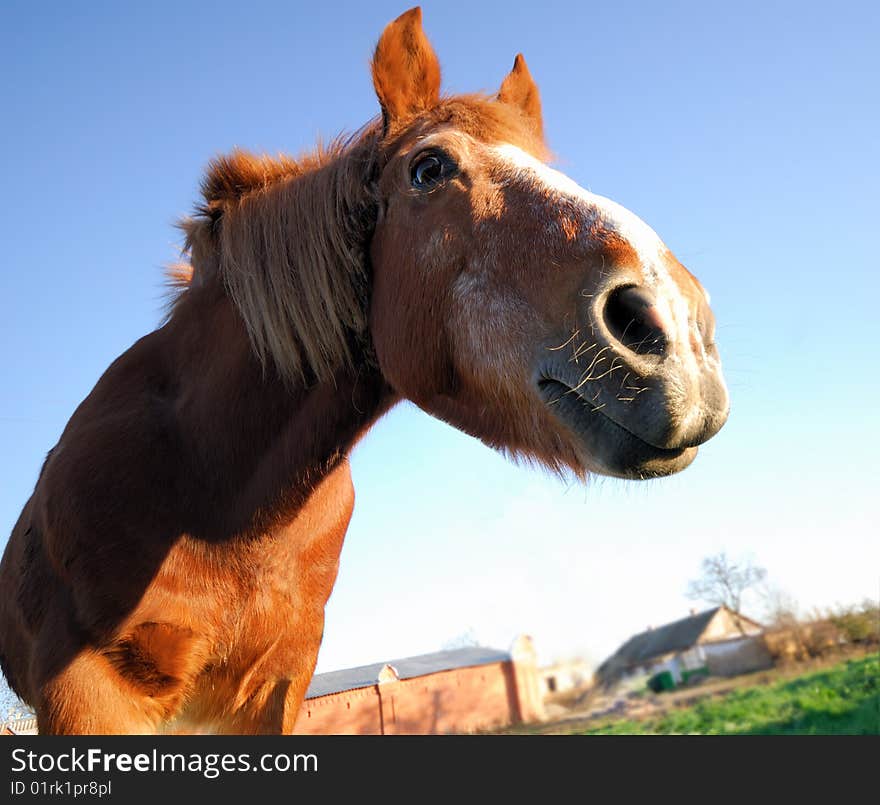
(841, 700)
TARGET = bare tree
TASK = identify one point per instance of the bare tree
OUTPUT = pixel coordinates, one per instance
(780, 607)
(724, 582)
(465, 639)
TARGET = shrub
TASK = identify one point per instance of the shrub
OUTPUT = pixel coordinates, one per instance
(858, 624)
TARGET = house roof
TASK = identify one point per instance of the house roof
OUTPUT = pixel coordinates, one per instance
(365, 676)
(675, 636)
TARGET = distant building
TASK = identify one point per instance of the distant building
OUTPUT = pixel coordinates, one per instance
(717, 641)
(461, 690)
(564, 676)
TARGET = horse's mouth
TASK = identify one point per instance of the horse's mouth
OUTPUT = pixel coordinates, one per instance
(615, 449)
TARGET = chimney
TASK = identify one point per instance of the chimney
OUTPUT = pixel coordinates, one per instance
(388, 673)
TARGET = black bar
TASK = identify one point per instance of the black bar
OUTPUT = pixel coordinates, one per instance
(172, 769)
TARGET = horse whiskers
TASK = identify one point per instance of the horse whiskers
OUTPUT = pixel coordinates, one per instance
(597, 358)
(583, 348)
(625, 329)
(606, 373)
(573, 336)
(590, 322)
(637, 389)
(635, 346)
(587, 378)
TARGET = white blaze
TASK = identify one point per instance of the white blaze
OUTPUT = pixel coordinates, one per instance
(652, 252)
(628, 225)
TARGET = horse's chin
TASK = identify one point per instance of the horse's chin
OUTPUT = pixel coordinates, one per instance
(604, 445)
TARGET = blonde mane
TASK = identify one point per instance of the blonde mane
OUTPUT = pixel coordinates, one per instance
(288, 240)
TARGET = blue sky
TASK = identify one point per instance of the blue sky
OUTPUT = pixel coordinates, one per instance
(746, 136)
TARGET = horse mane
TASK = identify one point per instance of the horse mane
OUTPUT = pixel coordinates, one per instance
(288, 240)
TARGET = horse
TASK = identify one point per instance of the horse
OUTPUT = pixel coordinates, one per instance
(171, 568)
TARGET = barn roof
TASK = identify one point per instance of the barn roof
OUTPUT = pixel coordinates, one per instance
(675, 636)
(366, 675)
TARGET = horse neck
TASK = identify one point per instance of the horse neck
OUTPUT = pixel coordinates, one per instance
(262, 434)
(255, 447)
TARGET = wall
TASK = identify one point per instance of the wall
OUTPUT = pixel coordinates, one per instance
(565, 676)
(739, 656)
(459, 700)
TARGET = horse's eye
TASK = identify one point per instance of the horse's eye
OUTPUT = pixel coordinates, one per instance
(428, 171)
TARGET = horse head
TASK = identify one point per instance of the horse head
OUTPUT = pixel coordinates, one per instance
(547, 321)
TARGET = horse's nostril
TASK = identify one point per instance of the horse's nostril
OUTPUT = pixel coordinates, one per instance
(633, 319)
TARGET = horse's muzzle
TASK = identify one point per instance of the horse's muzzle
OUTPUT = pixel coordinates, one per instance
(644, 389)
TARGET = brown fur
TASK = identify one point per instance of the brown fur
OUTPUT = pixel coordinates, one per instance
(406, 73)
(171, 568)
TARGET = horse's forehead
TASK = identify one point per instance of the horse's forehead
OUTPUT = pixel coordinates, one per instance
(446, 136)
(610, 215)
(657, 263)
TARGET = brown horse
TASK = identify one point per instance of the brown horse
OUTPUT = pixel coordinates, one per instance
(171, 568)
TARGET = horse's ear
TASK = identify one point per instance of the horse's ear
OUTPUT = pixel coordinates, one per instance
(406, 73)
(519, 89)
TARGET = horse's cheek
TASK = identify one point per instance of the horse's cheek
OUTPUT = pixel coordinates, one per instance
(407, 309)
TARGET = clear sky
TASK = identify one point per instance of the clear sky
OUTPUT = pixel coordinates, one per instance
(745, 134)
